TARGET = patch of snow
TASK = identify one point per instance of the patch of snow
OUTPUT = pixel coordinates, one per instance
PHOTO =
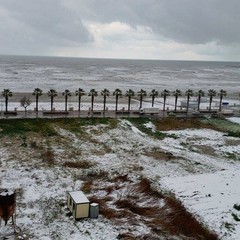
(211, 197)
(151, 126)
(234, 119)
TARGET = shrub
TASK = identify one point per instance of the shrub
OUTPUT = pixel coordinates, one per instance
(236, 218)
(113, 123)
(236, 206)
(24, 139)
(48, 156)
(233, 134)
(78, 164)
(87, 186)
(33, 144)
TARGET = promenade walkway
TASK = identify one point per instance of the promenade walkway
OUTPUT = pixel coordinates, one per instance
(108, 114)
(69, 114)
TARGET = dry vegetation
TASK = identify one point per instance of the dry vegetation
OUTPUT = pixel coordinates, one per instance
(159, 155)
(79, 164)
(141, 205)
(166, 124)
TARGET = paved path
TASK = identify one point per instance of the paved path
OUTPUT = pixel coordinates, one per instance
(98, 114)
(69, 114)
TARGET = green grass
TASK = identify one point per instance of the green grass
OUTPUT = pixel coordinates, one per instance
(46, 127)
(165, 124)
(140, 124)
(23, 126)
(232, 129)
(93, 121)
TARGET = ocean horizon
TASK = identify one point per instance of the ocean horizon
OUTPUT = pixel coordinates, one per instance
(25, 73)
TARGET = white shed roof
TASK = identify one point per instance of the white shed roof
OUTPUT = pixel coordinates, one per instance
(94, 204)
(78, 197)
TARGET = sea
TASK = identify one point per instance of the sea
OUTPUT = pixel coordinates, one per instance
(25, 73)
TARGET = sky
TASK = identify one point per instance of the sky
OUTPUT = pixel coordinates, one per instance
(129, 29)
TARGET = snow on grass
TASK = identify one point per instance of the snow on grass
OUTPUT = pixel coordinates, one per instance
(151, 126)
(41, 211)
(211, 197)
(192, 161)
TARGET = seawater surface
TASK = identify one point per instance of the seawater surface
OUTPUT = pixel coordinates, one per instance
(24, 74)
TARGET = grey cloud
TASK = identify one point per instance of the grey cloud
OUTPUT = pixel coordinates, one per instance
(188, 21)
(45, 25)
(35, 24)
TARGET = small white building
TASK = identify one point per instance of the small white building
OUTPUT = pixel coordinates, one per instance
(78, 204)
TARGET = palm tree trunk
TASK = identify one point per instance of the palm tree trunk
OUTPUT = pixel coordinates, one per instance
(129, 102)
(141, 101)
(164, 102)
(51, 103)
(220, 103)
(188, 98)
(210, 104)
(104, 103)
(92, 103)
(116, 103)
(199, 100)
(66, 100)
(175, 108)
(6, 103)
(153, 98)
(36, 102)
(79, 102)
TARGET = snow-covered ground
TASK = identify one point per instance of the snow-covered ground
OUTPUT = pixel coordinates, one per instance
(234, 119)
(199, 172)
(212, 197)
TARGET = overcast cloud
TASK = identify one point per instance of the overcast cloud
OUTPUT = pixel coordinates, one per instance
(151, 29)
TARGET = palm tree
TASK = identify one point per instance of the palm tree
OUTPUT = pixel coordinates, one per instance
(176, 94)
(222, 94)
(80, 92)
(6, 93)
(153, 94)
(129, 93)
(164, 94)
(105, 93)
(52, 94)
(117, 93)
(200, 93)
(142, 93)
(93, 93)
(37, 92)
(211, 93)
(66, 94)
(188, 93)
